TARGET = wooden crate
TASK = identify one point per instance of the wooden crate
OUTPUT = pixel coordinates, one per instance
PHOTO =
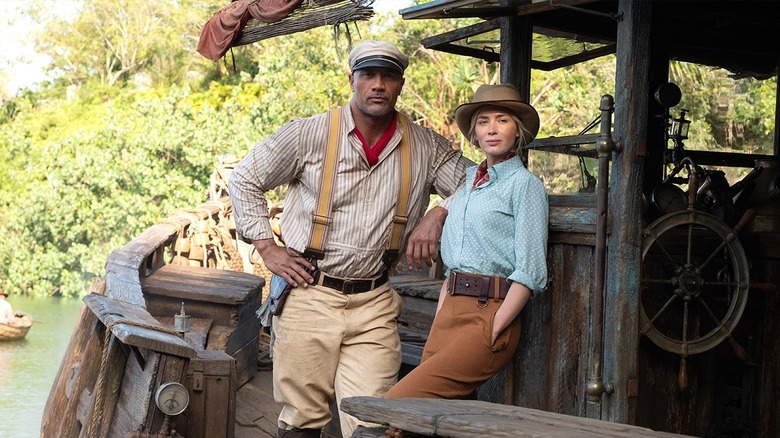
(211, 382)
(228, 299)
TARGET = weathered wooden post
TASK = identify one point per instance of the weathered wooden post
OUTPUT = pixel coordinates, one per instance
(624, 257)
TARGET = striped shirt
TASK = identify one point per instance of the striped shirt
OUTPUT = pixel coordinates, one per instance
(364, 197)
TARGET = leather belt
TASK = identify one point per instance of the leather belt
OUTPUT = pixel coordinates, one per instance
(480, 286)
(352, 286)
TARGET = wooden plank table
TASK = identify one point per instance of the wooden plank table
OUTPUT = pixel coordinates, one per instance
(479, 419)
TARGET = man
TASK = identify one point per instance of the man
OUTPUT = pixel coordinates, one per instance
(336, 336)
(6, 311)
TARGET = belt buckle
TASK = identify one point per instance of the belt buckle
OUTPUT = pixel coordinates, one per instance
(348, 287)
(453, 279)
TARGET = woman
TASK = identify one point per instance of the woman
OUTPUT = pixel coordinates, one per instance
(494, 244)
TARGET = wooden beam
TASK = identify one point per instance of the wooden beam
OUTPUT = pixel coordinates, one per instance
(462, 9)
(438, 9)
(721, 159)
(462, 33)
(624, 258)
(575, 59)
(476, 418)
(516, 45)
(467, 51)
(569, 145)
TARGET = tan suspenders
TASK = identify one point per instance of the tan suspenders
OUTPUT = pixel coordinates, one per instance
(321, 219)
(405, 176)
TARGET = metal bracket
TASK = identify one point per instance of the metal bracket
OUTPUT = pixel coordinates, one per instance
(197, 377)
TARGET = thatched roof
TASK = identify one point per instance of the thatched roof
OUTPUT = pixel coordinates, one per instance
(311, 14)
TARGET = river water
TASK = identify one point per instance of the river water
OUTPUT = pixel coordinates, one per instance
(28, 367)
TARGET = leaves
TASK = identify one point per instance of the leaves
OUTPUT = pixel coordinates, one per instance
(92, 189)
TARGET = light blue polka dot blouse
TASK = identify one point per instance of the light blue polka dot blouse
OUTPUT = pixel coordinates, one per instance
(499, 228)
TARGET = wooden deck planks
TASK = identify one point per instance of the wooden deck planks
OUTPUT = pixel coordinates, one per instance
(256, 410)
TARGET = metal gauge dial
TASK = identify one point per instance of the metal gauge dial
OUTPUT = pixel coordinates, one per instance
(668, 198)
(172, 398)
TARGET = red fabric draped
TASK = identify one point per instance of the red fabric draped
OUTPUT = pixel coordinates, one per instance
(224, 26)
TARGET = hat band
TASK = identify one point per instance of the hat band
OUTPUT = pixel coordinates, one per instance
(377, 59)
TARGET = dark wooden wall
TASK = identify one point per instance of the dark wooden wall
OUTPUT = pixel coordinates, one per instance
(553, 356)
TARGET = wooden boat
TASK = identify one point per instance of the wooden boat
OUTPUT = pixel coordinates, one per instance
(598, 356)
(17, 330)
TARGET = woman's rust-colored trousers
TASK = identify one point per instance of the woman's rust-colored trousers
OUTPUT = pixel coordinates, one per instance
(458, 356)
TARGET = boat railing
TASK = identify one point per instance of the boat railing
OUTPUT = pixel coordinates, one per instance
(157, 246)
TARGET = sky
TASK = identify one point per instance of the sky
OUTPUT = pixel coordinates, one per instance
(18, 63)
(23, 67)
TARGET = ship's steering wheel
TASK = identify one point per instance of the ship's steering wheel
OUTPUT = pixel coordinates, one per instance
(694, 283)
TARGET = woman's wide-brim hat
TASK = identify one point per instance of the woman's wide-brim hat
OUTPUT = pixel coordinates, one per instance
(505, 96)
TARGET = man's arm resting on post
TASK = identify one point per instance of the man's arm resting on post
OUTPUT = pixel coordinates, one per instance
(422, 248)
(423, 245)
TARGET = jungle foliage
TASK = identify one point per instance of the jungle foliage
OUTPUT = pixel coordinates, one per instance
(130, 127)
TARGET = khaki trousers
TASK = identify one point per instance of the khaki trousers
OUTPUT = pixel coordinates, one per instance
(330, 346)
(458, 356)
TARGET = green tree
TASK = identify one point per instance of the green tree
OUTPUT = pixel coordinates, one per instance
(77, 191)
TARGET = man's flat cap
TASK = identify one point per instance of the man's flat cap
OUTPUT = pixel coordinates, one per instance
(370, 53)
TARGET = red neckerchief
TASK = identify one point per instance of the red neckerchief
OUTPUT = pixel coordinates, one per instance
(372, 153)
(482, 175)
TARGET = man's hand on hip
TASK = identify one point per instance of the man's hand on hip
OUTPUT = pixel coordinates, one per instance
(294, 270)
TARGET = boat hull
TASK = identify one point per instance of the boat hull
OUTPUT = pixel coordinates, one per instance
(18, 330)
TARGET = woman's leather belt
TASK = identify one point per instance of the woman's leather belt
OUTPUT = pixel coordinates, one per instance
(480, 286)
(347, 286)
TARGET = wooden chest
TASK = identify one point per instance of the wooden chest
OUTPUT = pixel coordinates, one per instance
(223, 303)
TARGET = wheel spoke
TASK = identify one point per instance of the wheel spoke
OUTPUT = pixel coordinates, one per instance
(715, 319)
(666, 253)
(660, 311)
(684, 342)
(712, 256)
(658, 281)
(688, 255)
(724, 283)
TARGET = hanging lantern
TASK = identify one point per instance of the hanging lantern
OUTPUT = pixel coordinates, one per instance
(678, 129)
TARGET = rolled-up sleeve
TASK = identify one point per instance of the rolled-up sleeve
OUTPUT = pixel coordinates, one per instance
(269, 164)
(449, 170)
(531, 211)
